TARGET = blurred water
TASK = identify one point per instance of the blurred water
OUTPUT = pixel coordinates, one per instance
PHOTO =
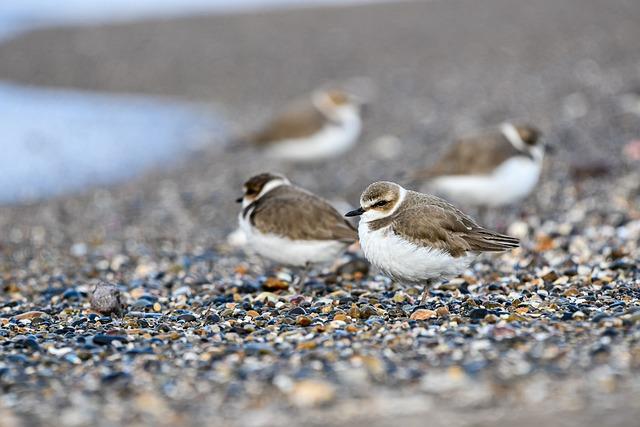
(56, 141)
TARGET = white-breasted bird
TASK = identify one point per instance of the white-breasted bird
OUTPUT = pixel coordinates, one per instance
(418, 238)
(290, 225)
(325, 124)
(492, 169)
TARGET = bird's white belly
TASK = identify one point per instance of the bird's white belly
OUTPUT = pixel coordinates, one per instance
(512, 181)
(328, 142)
(291, 252)
(405, 261)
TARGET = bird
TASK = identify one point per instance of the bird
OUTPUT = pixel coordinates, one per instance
(106, 299)
(324, 124)
(418, 238)
(489, 170)
(291, 226)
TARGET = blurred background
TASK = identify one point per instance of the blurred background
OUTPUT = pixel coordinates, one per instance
(62, 141)
(99, 92)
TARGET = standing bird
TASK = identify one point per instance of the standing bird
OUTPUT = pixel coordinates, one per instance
(326, 124)
(290, 225)
(418, 238)
(488, 170)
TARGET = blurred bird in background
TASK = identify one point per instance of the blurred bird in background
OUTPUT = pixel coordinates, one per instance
(324, 124)
(489, 170)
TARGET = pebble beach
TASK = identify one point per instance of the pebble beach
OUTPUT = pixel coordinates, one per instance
(210, 335)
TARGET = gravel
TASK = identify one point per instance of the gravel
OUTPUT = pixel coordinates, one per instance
(548, 333)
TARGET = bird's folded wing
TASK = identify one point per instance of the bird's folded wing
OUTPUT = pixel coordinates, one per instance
(301, 216)
(471, 156)
(440, 225)
(298, 121)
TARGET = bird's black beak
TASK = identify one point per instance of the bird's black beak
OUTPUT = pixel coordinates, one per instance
(239, 200)
(356, 212)
(550, 149)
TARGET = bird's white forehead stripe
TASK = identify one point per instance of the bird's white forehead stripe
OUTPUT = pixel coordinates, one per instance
(511, 133)
(274, 183)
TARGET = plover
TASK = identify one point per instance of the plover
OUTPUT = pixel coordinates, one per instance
(418, 238)
(488, 170)
(290, 225)
(324, 125)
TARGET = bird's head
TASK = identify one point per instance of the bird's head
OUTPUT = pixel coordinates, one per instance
(379, 200)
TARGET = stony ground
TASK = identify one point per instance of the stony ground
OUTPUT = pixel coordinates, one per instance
(549, 333)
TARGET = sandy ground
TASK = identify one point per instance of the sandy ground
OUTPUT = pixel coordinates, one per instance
(440, 69)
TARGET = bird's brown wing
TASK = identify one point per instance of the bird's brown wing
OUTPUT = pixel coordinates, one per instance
(298, 121)
(294, 213)
(438, 224)
(475, 155)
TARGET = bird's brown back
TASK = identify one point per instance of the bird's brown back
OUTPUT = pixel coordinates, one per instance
(292, 212)
(478, 155)
(298, 121)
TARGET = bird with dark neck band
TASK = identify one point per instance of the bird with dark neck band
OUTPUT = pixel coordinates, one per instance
(291, 226)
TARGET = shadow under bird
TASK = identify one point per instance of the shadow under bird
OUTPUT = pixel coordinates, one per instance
(418, 238)
(492, 169)
(325, 124)
(291, 226)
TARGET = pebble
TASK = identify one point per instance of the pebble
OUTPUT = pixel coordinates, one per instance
(303, 320)
(102, 339)
(442, 311)
(187, 318)
(312, 393)
(578, 315)
(478, 313)
(30, 315)
(72, 294)
(275, 284)
(297, 311)
(422, 314)
(107, 299)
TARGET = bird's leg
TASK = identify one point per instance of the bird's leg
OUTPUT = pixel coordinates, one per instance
(425, 292)
(303, 277)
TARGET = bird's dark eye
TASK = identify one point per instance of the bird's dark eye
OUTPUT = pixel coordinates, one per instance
(380, 204)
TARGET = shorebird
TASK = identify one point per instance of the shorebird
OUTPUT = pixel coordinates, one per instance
(290, 225)
(325, 124)
(418, 238)
(492, 169)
